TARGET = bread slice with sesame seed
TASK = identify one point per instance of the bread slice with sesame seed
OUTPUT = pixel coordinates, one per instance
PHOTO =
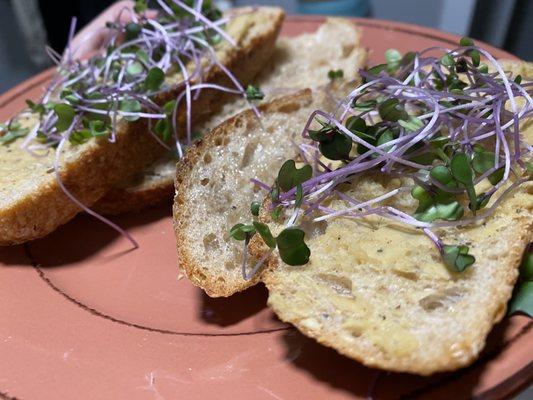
(32, 203)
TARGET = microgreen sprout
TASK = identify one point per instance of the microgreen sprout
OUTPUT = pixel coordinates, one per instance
(335, 74)
(445, 124)
(254, 93)
(131, 79)
(522, 301)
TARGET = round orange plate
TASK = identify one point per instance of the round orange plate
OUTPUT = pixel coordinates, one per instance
(83, 317)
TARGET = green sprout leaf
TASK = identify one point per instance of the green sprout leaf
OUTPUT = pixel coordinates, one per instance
(356, 124)
(364, 105)
(266, 235)
(242, 232)
(254, 93)
(413, 124)
(289, 176)
(338, 148)
(36, 107)
(448, 212)
(335, 74)
(457, 258)
(130, 105)
(274, 193)
(529, 169)
(12, 132)
(526, 268)
(423, 197)
(140, 6)
(276, 212)
(482, 201)
(441, 174)
(462, 172)
(154, 79)
(134, 68)
(447, 60)
(292, 248)
(482, 161)
(483, 68)
(393, 58)
(466, 41)
(522, 301)
(376, 70)
(132, 31)
(163, 129)
(65, 114)
(385, 137)
(390, 110)
(255, 206)
(299, 196)
(474, 54)
(168, 108)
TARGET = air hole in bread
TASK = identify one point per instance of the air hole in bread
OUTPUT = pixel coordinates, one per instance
(218, 141)
(249, 151)
(432, 302)
(289, 107)
(313, 229)
(207, 158)
(238, 123)
(438, 300)
(347, 49)
(226, 141)
(341, 284)
(204, 181)
(412, 276)
(211, 242)
(229, 265)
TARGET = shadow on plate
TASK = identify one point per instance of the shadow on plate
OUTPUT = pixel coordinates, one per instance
(344, 374)
(85, 235)
(227, 311)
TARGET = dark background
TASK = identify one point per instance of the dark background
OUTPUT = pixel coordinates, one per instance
(507, 24)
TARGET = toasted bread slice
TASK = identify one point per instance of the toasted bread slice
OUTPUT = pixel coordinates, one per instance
(32, 203)
(379, 293)
(213, 189)
(297, 63)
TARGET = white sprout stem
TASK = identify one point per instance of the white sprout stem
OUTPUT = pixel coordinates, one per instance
(259, 264)
(502, 75)
(73, 198)
(360, 206)
(290, 222)
(207, 22)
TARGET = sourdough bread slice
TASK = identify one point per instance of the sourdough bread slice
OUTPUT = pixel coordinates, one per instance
(32, 204)
(379, 293)
(213, 189)
(296, 63)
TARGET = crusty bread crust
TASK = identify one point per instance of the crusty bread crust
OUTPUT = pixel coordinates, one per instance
(100, 165)
(188, 261)
(314, 58)
(244, 64)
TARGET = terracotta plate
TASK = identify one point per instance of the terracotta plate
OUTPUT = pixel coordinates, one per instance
(81, 317)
